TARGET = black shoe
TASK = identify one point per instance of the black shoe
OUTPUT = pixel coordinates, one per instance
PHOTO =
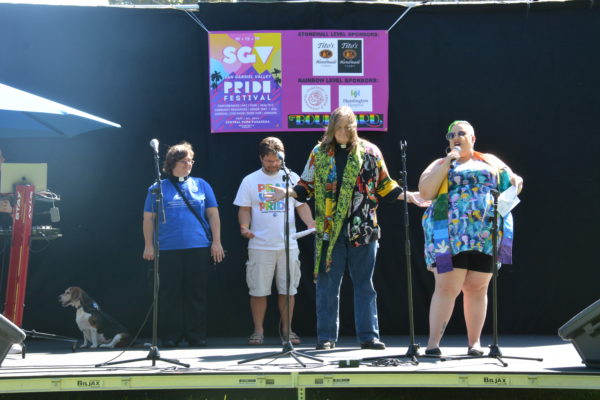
(326, 345)
(373, 344)
(433, 352)
(475, 351)
(198, 343)
(169, 343)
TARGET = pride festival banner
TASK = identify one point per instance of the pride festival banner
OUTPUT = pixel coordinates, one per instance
(267, 81)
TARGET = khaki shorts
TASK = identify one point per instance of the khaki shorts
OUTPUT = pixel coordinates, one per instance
(262, 265)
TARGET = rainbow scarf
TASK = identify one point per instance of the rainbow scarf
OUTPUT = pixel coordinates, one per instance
(441, 239)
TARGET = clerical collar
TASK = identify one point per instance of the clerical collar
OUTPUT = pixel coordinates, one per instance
(178, 178)
(342, 146)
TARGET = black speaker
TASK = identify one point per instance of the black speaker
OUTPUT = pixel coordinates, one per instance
(583, 330)
(9, 334)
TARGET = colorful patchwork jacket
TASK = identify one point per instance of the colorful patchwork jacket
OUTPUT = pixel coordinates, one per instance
(365, 180)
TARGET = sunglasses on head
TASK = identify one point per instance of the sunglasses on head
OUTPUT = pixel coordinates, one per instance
(452, 135)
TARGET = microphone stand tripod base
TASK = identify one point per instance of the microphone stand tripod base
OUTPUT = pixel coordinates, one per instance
(287, 346)
(412, 352)
(494, 353)
(287, 350)
(153, 355)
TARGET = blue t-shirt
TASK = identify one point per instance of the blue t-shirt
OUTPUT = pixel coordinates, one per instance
(182, 230)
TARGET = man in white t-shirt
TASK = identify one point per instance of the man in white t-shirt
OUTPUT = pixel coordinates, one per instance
(262, 222)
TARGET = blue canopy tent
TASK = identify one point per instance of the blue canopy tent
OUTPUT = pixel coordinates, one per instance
(23, 114)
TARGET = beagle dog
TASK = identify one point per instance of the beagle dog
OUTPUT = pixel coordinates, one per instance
(98, 328)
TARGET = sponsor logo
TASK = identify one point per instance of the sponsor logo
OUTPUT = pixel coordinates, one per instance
(351, 45)
(303, 121)
(320, 121)
(369, 120)
(351, 60)
(324, 57)
(326, 53)
(349, 54)
(316, 98)
(357, 97)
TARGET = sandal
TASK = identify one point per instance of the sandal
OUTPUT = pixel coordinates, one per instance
(294, 338)
(256, 339)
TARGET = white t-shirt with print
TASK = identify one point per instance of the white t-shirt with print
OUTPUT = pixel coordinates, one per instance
(267, 223)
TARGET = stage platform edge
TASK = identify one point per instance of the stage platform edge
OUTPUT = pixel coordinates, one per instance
(56, 369)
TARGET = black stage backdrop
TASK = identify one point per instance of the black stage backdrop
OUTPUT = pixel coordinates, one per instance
(526, 76)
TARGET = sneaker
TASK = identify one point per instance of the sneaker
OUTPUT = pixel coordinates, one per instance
(326, 345)
(373, 344)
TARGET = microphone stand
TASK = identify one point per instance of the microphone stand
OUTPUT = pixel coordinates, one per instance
(154, 354)
(412, 352)
(494, 347)
(288, 347)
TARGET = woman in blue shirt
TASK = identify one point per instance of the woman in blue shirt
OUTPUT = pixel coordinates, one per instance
(186, 241)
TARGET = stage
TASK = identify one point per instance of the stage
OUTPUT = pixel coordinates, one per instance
(52, 367)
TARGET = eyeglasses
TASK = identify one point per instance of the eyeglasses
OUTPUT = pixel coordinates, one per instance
(187, 162)
(452, 135)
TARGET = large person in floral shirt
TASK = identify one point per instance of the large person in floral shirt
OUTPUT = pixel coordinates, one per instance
(458, 231)
(347, 177)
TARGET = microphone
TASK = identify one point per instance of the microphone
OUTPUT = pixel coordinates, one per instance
(281, 156)
(154, 145)
(402, 145)
(453, 162)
